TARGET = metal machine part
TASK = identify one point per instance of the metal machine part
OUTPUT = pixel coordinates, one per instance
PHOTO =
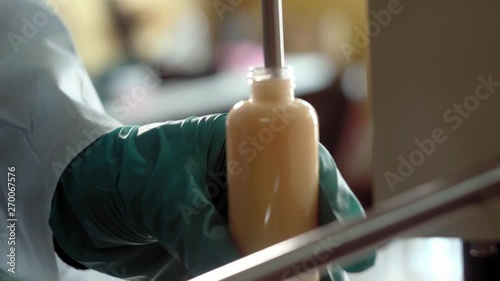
(409, 213)
(272, 14)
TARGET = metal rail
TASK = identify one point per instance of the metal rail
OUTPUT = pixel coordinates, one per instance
(335, 243)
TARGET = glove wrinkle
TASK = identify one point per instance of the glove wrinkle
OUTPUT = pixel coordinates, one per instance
(150, 202)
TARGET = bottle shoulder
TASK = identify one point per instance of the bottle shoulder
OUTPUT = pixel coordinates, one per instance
(250, 104)
(253, 109)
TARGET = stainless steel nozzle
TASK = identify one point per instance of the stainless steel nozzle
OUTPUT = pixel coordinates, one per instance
(273, 33)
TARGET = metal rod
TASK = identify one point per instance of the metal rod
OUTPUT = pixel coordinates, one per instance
(336, 243)
(272, 14)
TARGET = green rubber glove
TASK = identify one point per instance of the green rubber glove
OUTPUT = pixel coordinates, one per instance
(338, 203)
(150, 202)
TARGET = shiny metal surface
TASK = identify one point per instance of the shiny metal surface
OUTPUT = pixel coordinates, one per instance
(335, 243)
(272, 15)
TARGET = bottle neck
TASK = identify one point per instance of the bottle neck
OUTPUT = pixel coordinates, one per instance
(272, 90)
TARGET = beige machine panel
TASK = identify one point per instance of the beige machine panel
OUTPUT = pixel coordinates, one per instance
(435, 91)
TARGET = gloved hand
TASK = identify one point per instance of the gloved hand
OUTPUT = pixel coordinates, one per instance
(136, 203)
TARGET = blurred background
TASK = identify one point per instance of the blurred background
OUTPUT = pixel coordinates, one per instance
(157, 60)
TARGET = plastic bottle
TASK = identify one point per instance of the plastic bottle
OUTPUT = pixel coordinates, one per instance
(272, 161)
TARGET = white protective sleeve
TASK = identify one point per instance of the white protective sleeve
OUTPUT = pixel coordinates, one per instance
(49, 112)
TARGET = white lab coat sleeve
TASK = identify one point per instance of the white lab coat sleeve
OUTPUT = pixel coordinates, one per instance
(49, 112)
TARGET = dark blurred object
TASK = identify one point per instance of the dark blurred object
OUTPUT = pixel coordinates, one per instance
(180, 46)
(481, 262)
(344, 130)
